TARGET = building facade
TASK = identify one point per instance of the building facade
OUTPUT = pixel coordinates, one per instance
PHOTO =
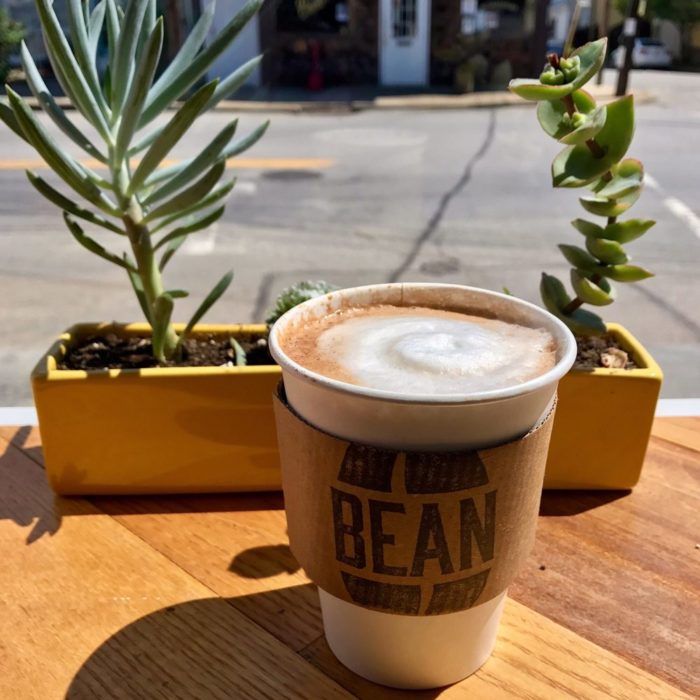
(323, 43)
(315, 44)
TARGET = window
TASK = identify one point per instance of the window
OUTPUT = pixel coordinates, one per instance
(404, 18)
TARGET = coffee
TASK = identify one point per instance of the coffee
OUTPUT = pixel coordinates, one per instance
(420, 350)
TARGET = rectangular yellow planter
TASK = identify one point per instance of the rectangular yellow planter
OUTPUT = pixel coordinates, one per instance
(156, 430)
(603, 422)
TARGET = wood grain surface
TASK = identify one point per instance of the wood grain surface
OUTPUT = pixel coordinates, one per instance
(199, 596)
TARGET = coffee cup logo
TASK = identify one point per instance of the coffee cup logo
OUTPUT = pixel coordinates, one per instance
(409, 533)
(387, 522)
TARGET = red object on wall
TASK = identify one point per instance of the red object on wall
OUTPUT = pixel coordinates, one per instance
(315, 79)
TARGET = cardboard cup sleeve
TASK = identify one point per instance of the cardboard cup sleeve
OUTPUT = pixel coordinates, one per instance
(409, 533)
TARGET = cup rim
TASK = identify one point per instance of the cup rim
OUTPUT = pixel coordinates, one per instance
(564, 337)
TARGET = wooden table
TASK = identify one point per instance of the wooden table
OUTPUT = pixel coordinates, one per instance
(199, 596)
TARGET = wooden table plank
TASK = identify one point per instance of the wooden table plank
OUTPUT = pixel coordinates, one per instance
(92, 611)
(236, 545)
(534, 658)
(680, 431)
(621, 569)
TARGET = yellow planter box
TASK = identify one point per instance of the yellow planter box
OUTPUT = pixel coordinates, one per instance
(156, 430)
(603, 422)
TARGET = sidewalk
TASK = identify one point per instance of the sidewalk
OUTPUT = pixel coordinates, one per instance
(361, 99)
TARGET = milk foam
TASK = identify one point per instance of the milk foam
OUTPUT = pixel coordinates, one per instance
(426, 354)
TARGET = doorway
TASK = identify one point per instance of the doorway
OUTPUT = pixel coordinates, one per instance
(404, 41)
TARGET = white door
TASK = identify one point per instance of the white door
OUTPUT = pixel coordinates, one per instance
(404, 42)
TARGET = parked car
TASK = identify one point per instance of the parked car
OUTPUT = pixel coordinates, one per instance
(647, 53)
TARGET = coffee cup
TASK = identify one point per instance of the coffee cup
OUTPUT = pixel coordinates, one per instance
(420, 650)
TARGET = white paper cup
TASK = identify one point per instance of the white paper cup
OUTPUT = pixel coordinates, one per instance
(407, 651)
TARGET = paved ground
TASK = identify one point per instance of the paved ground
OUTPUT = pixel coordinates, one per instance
(454, 196)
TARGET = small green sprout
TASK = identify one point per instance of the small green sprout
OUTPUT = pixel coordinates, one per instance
(297, 294)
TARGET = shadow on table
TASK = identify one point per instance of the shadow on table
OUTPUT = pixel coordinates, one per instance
(208, 649)
(25, 509)
(561, 503)
(263, 562)
(188, 503)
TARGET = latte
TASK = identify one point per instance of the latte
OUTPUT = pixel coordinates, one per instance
(419, 350)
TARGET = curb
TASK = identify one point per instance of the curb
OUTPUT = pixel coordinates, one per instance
(476, 100)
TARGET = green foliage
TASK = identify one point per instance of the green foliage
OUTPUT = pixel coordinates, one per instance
(11, 34)
(297, 294)
(682, 12)
(597, 139)
(152, 209)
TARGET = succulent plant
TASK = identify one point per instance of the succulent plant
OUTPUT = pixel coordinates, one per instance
(597, 138)
(297, 294)
(127, 192)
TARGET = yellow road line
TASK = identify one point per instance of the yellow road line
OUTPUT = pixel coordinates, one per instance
(238, 163)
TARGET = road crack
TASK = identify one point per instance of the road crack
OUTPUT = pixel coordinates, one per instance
(436, 219)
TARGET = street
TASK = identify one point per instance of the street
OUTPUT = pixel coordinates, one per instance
(458, 196)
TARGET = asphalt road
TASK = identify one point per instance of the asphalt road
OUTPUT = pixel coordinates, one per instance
(452, 196)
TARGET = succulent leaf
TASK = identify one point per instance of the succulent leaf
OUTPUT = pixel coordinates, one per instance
(9, 119)
(55, 197)
(588, 228)
(578, 258)
(556, 299)
(576, 166)
(197, 225)
(61, 163)
(552, 114)
(187, 51)
(137, 286)
(591, 125)
(185, 173)
(598, 294)
(608, 252)
(124, 59)
(535, 91)
(245, 143)
(241, 360)
(627, 177)
(591, 57)
(67, 70)
(45, 98)
(92, 245)
(216, 195)
(228, 86)
(138, 92)
(626, 231)
(190, 197)
(81, 45)
(197, 67)
(624, 273)
(174, 130)
(221, 286)
(600, 206)
(97, 19)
